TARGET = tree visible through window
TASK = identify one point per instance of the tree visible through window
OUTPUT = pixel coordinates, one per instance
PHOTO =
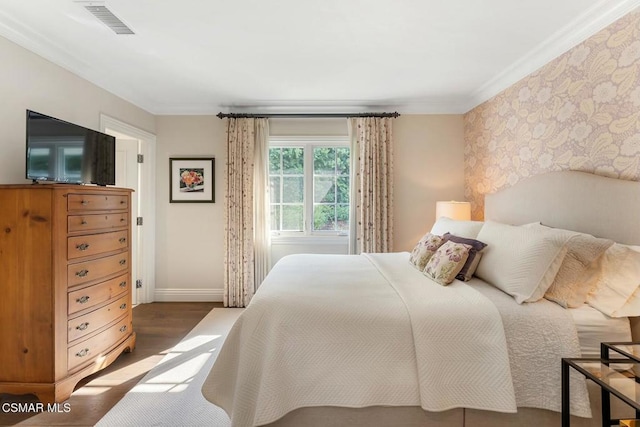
(331, 188)
(309, 181)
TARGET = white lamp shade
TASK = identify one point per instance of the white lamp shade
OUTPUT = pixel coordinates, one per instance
(460, 211)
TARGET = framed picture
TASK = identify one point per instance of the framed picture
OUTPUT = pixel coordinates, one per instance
(191, 180)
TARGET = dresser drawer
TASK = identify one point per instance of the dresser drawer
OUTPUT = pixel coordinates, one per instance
(83, 299)
(89, 271)
(91, 322)
(96, 222)
(94, 244)
(95, 202)
(87, 350)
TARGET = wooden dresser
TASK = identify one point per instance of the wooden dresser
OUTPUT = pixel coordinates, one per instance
(65, 281)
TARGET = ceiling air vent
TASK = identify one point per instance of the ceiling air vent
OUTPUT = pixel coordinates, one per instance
(109, 19)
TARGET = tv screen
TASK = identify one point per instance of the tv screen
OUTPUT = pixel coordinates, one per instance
(59, 151)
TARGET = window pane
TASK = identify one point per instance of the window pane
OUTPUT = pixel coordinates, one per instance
(274, 160)
(324, 161)
(275, 217)
(342, 189)
(324, 217)
(39, 161)
(342, 161)
(72, 158)
(274, 189)
(342, 217)
(324, 190)
(292, 218)
(292, 189)
(292, 161)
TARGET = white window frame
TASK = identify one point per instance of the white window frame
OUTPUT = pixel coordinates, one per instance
(309, 143)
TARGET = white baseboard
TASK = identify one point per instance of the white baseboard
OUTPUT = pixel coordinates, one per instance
(188, 295)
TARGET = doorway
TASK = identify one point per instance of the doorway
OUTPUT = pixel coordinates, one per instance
(135, 169)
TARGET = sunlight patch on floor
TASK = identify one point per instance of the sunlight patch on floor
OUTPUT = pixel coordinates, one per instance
(130, 371)
(194, 342)
(182, 372)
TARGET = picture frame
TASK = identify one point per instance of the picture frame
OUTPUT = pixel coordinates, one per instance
(192, 180)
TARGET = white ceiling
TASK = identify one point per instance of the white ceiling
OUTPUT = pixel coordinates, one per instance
(205, 56)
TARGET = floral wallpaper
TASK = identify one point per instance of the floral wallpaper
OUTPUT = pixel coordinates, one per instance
(581, 112)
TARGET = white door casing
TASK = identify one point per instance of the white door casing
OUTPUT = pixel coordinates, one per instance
(144, 243)
(127, 176)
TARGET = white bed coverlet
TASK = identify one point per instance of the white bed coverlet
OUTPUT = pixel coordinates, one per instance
(358, 331)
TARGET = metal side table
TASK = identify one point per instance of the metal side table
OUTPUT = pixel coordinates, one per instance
(611, 372)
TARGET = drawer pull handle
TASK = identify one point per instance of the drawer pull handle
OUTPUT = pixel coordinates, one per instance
(123, 261)
(123, 306)
(122, 202)
(82, 273)
(123, 284)
(83, 222)
(83, 299)
(84, 202)
(82, 326)
(122, 219)
(82, 246)
(122, 239)
(124, 328)
(82, 353)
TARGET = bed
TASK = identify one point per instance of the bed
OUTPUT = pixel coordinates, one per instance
(363, 340)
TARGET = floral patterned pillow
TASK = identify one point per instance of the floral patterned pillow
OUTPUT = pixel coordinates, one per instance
(424, 250)
(447, 262)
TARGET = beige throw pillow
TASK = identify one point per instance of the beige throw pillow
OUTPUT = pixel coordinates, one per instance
(447, 262)
(616, 290)
(424, 250)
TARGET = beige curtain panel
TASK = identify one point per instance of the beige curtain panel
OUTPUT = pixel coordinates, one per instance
(245, 136)
(372, 184)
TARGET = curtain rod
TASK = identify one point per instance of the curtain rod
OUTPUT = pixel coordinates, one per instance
(395, 114)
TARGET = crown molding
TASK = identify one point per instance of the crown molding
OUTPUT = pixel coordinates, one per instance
(584, 26)
(33, 41)
(440, 105)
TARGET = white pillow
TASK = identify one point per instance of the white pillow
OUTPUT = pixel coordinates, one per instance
(520, 261)
(615, 290)
(468, 229)
(569, 288)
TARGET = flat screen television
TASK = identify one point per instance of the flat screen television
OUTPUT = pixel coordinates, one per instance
(60, 151)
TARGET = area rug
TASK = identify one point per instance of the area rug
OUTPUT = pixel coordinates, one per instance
(169, 395)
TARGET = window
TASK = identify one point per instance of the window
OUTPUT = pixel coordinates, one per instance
(309, 185)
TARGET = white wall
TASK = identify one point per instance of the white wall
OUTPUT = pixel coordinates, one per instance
(27, 81)
(190, 236)
(308, 127)
(428, 166)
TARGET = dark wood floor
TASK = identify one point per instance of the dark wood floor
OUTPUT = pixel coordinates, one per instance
(159, 327)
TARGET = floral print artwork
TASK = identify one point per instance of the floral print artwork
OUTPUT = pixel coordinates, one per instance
(191, 179)
(447, 262)
(579, 112)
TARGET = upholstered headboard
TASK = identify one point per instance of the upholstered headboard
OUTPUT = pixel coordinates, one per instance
(579, 201)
